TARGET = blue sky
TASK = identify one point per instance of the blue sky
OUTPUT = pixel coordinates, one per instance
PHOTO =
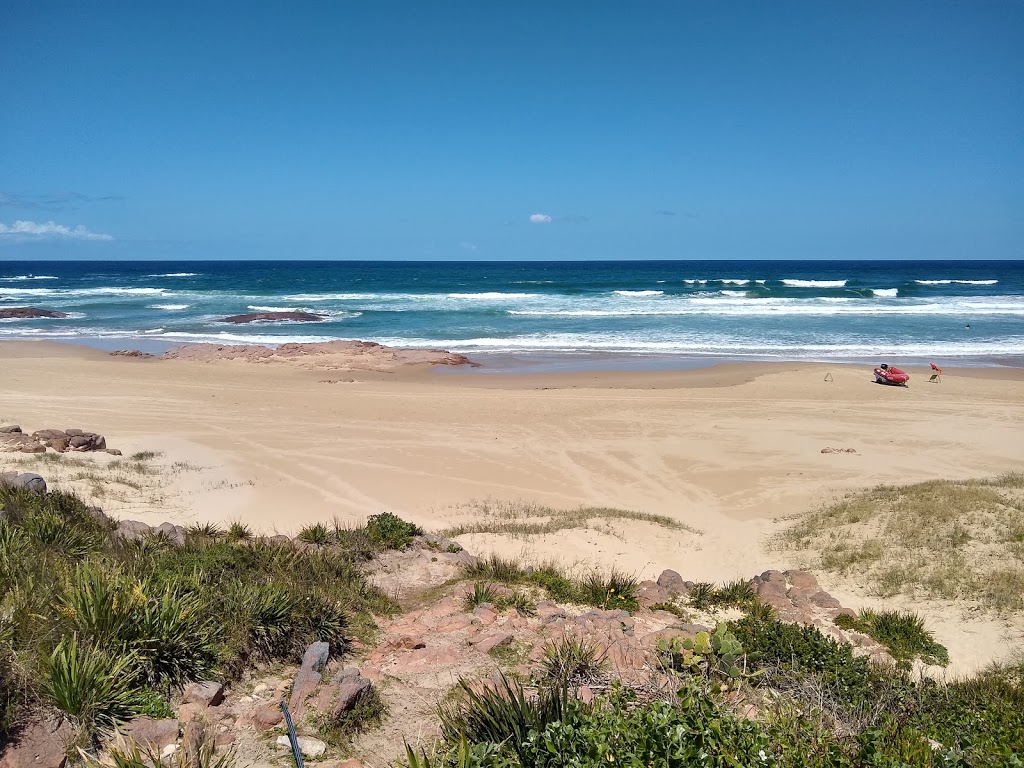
(564, 130)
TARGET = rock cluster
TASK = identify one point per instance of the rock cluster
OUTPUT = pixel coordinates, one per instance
(14, 440)
(29, 313)
(132, 353)
(268, 317)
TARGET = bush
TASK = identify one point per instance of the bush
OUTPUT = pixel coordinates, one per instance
(388, 531)
(573, 661)
(94, 689)
(902, 632)
(482, 593)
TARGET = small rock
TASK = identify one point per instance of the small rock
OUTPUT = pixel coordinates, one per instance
(168, 751)
(266, 717)
(151, 733)
(309, 747)
(209, 693)
(490, 642)
(260, 688)
(114, 452)
(10, 428)
(132, 530)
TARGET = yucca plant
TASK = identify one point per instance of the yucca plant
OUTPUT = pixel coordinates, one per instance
(505, 713)
(239, 531)
(175, 639)
(736, 593)
(482, 593)
(93, 688)
(702, 595)
(318, 534)
(520, 602)
(616, 590)
(128, 754)
(760, 611)
(573, 660)
(205, 530)
(60, 536)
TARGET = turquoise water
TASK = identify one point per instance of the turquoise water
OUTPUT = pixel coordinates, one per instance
(829, 310)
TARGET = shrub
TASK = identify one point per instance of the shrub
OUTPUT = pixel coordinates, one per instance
(902, 632)
(614, 591)
(367, 713)
(388, 531)
(702, 595)
(572, 661)
(239, 531)
(736, 594)
(520, 602)
(482, 593)
(318, 534)
(91, 687)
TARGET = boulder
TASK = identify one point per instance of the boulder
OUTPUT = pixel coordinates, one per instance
(29, 481)
(650, 593)
(308, 678)
(150, 733)
(344, 694)
(548, 611)
(803, 580)
(39, 745)
(173, 533)
(18, 442)
(672, 582)
(209, 693)
(309, 747)
(10, 428)
(132, 530)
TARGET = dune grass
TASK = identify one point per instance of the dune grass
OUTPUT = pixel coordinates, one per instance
(102, 629)
(521, 519)
(955, 540)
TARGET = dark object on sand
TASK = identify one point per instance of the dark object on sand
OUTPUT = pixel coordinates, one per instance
(888, 374)
(29, 313)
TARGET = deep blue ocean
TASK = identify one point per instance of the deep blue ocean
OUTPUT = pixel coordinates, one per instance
(822, 310)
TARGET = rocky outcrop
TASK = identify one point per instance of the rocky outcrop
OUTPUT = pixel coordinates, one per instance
(340, 355)
(273, 317)
(29, 313)
(132, 353)
(14, 440)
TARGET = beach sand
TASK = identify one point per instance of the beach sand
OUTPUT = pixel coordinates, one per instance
(727, 450)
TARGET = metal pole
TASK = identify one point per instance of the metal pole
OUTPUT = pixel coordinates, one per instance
(291, 735)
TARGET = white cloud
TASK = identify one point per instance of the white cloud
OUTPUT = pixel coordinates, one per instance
(540, 218)
(25, 231)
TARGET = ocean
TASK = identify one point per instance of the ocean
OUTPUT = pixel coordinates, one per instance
(640, 313)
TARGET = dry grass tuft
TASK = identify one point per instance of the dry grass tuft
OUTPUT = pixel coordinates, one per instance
(525, 519)
(961, 540)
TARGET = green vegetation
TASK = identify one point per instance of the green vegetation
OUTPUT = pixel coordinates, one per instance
(572, 661)
(101, 628)
(524, 519)
(942, 539)
(903, 633)
(820, 707)
(607, 590)
(388, 531)
(484, 592)
(369, 711)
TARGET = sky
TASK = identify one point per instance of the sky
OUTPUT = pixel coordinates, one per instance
(583, 129)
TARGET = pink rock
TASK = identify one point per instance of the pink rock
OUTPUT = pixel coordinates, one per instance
(39, 745)
(803, 580)
(151, 733)
(650, 593)
(313, 662)
(490, 642)
(266, 716)
(823, 599)
(672, 582)
(209, 693)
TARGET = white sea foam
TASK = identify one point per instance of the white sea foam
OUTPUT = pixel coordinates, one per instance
(730, 281)
(885, 293)
(814, 283)
(27, 277)
(956, 282)
(72, 292)
(492, 295)
(257, 308)
(639, 293)
(760, 282)
(734, 294)
(170, 307)
(695, 282)
(177, 274)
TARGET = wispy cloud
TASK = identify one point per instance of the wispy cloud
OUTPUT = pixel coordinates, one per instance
(52, 201)
(664, 212)
(540, 218)
(28, 231)
(547, 218)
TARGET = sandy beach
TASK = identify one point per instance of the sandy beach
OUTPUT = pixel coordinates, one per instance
(727, 450)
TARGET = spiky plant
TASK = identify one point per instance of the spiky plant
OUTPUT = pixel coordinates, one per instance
(573, 660)
(736, 594)
(483, 592)
(90, 686)
(318, 534)
(239, 531)
(614, 590)
(520, 602)
(702, 595)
